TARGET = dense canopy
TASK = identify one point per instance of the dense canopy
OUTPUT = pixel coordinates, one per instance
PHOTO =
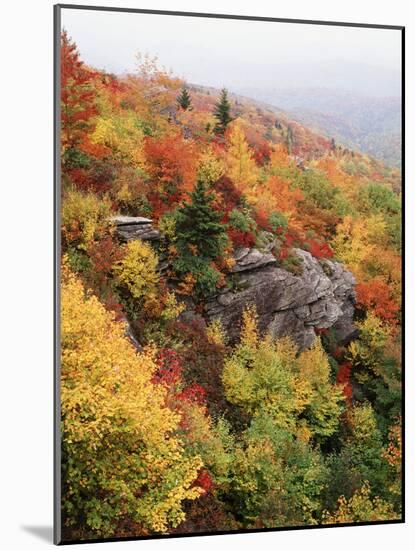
(166, 425)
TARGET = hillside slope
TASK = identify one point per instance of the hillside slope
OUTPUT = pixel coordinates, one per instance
(371, 125)
(231, 306)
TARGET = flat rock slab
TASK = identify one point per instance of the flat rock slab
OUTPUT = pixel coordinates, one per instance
(130, 220)
(130, 228)
(251, 259)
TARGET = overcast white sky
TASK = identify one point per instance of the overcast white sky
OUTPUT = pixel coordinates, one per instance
(242, 54)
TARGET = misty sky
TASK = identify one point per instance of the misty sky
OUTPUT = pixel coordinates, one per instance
(243, 54)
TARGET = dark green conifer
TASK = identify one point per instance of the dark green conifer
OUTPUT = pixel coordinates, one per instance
(198, 224)
(184, 100)
(222, 112)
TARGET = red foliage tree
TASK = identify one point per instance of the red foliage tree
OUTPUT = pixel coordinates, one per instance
(204, 480)
(202, 362)
(261, 219)
(77, 94)
(97, 178)
(241, 238)
(170, 370)
(343, 377)
(319, 249)
(103, 254)
(172, 163)
(262, 152)
(376, 297)
(229, 197)
(207, 513)
(194, 394)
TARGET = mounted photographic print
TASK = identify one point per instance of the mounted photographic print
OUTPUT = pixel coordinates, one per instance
(228, 274)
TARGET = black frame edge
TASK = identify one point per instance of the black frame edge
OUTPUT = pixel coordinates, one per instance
(57, 533)
(403, 265)
(233, 16)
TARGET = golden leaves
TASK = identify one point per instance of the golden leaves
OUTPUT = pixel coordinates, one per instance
(118, 435)
(262, 375)
(239, 161)
(361, 507)
(137, 271)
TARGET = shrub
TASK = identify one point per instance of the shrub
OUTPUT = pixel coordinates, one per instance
(241, 221)
(85, 217)
(137, 271)
(361, 507)
(241, 228)
(204, 275)
(278, 222)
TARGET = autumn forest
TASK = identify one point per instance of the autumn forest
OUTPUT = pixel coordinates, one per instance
(191, 402)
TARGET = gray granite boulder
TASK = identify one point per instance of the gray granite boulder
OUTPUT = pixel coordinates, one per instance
(322, 296)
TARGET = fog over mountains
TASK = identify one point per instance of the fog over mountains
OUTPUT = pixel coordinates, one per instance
(370, 124)
(344, 82)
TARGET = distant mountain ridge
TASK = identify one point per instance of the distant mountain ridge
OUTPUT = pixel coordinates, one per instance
(371, 125)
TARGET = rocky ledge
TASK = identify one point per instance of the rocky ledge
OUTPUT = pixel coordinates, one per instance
(128, 228)
(322, 296)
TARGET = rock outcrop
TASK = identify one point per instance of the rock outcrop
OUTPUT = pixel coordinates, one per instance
(322, 296)
(129, 228)
(287, 304)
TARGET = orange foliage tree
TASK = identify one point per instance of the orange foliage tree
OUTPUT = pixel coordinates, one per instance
(376, 296)
(172, 163)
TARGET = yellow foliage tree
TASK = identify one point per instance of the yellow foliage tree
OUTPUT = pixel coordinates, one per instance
(324, 399)
(240, 164)
(84, 218)
(215, 333)
(264, 376)
(209, 440)
(121, 458)
(211, 167)
(123, 136)
(361, 508)
(279, 158)
(375, 338)
(362, 245)
(137, 271)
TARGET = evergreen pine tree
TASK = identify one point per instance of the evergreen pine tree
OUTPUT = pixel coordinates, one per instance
(198, 224)
(184, 99)
(222, 112)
